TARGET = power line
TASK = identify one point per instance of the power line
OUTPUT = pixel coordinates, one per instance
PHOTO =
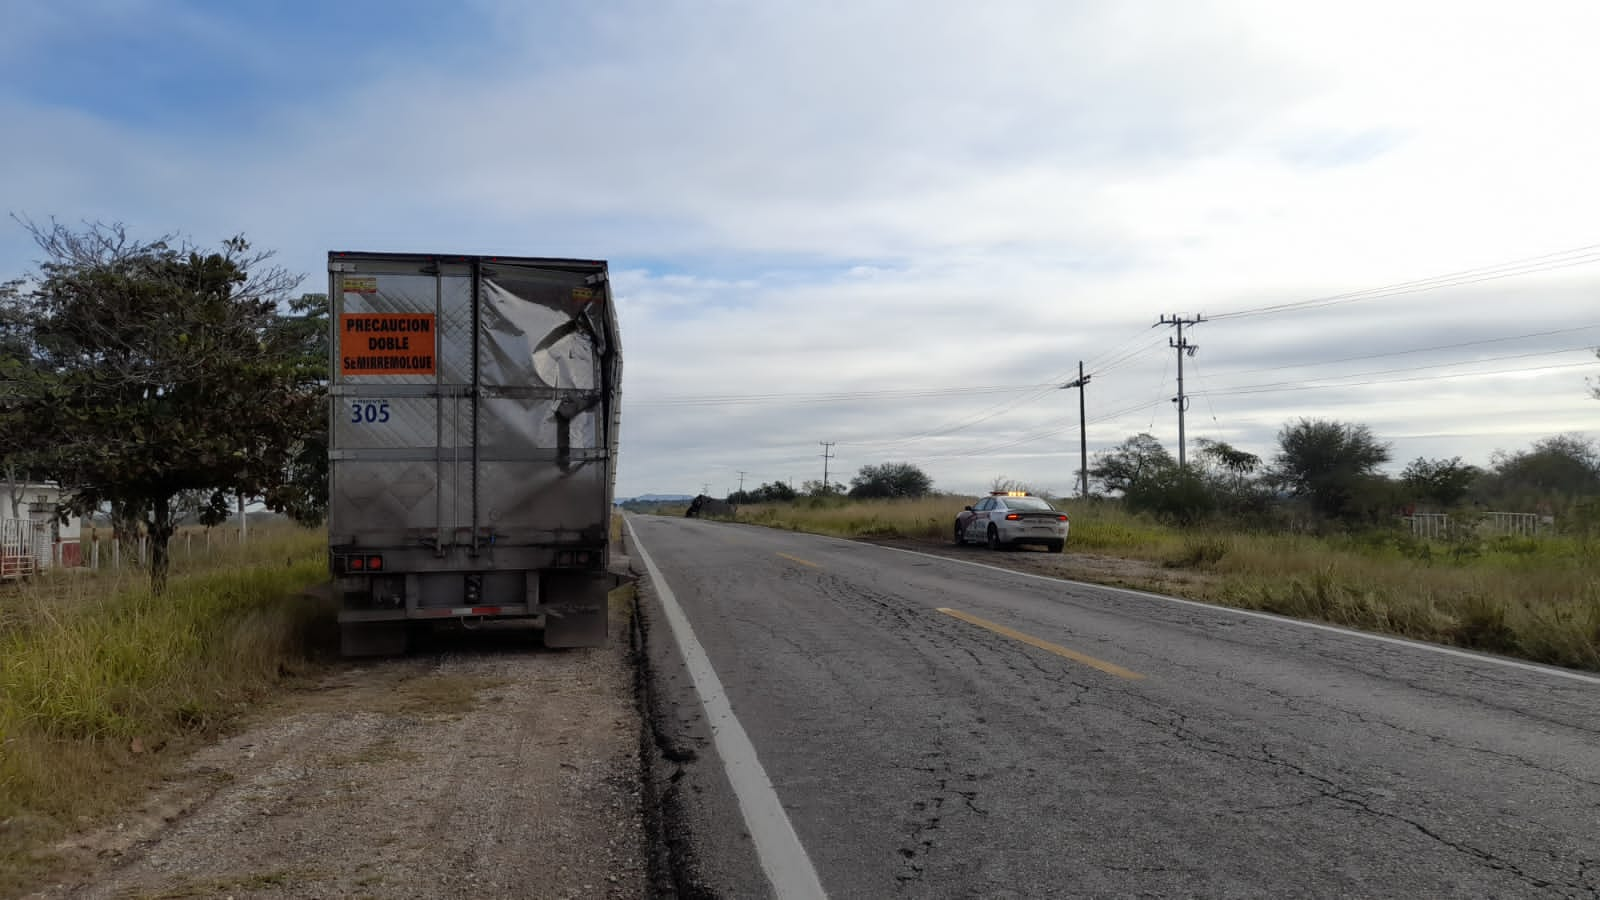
(1052, 431)
(1198, 374)
(1048, 431)
(960, 425)
(1477, 343)
(1123, 359)
(1532, 265)
(1285, 386)
(1227, 389)
(1161, 388)
(837, 397)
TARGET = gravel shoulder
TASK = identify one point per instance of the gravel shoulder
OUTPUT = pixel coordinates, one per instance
(480, 766)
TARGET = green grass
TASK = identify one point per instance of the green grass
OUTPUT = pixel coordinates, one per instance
(925, 517)
(1538, 599)
(98, 679)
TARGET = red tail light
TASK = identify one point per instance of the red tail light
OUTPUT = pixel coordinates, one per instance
(356, 563)
(374, 564)
(1012, 517)
(1061, 518)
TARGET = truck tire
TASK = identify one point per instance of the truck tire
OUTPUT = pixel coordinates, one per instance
(994, 539)
(1057, 546)
(958, 534)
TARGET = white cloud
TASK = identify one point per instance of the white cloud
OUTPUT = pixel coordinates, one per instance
(892, 195)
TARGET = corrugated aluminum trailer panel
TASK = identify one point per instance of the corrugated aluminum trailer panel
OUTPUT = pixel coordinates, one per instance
(475, 416)
(523, 452)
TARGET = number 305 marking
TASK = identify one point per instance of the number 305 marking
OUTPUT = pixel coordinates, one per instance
(369, 412)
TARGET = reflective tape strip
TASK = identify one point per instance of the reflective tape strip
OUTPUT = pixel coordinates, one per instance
(461, 611)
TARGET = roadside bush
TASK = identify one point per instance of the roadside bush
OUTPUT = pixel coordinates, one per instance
(1538, 599)
(1172, 494)
(99, 677)
(1200, 553)
(1482, 625)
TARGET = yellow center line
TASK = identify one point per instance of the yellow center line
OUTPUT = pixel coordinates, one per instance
(1057, 649)
(803, 562)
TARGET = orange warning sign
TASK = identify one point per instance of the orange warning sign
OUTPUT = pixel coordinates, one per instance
(386, 344)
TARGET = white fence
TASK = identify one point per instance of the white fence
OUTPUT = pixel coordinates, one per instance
(1437, 525)
(104, 551)
(27, 548)
(24, 548)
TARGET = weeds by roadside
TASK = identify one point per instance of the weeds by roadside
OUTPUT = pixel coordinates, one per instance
(1538, 599)
(98, 678)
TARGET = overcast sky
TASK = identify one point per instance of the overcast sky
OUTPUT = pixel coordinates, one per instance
(899, 226)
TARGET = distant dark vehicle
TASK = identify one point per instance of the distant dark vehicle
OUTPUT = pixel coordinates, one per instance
(707, 506)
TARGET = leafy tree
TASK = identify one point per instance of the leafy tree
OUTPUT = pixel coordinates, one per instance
(1441, 481)
(1171, 492)
(772, 492)
(1002, 483)
(303, 491)
(1120, 469)
(1229, 474)
(815, 488)
(23, 440)
(1333, 465)
(890, 480)
(1562, 466)
(169, 369)
(1238, 463)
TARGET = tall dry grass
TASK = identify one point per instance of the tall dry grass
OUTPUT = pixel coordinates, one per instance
(98, 678)
(1538, 599)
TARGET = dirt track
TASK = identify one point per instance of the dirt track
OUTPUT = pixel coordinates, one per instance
(481, 766)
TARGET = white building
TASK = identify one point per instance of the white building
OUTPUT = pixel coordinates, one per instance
(32, 536)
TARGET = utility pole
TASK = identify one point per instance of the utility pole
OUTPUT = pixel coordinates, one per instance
(741, 481)
(1083, 430)
(827, 454)
(1184, 348)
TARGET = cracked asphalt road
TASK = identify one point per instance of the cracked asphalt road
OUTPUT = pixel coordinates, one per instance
(919, 754)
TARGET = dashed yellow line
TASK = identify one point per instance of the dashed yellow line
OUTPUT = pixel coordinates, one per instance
(1057, 649)
(803, 562)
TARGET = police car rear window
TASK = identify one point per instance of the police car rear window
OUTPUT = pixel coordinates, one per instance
(1024, 503)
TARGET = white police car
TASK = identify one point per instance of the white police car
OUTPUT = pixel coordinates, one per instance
(1008, 518)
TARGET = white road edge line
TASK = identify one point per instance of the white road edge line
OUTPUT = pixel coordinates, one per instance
(782, 856)
(1282, 620)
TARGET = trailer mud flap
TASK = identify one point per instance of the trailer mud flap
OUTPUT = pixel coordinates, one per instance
(575, 607)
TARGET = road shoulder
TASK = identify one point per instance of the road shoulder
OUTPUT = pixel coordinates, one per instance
(482, 766)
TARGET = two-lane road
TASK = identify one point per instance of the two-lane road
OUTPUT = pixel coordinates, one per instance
(930, 727)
